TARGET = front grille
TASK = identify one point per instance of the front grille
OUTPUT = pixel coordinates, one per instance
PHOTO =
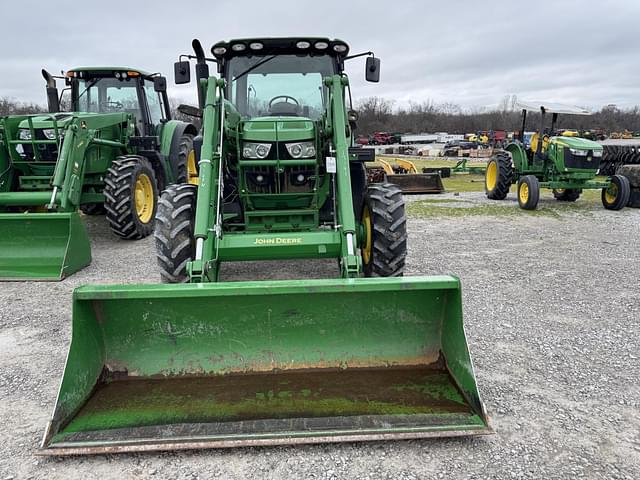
(48, 151)
(577, 162)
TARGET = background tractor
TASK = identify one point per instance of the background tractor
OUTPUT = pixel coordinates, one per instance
(112, 153)
(566, 164)
(202, 363)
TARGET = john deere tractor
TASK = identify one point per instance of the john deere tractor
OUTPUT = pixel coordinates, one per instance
(112, 153)
(565, 164)
(200, 362)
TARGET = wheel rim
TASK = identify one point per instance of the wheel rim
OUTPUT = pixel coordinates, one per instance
(192, 170)
(144, 198)
(523, 193)
(491, 177)
(368, 234)
(611, 193)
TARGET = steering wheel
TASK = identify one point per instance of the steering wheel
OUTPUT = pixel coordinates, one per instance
(112, 106)
(286, 98)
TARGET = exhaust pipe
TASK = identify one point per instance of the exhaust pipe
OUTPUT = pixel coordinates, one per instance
(53, 101)
(202, 70)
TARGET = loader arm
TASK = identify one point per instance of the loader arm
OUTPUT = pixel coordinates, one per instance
(351, 262)
(205, 265)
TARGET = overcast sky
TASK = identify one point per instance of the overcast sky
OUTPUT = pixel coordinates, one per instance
(466, 52)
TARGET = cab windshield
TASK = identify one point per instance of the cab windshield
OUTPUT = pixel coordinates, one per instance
(107, 95)
(279, 85)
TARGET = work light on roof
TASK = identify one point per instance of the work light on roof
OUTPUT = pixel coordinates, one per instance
(340, 48)
(303, 44)
(238, 47)
(321, 45)
(219, 51)
(256, 46)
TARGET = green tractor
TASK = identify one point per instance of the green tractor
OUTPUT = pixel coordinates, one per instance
(565, 164)
(112, 153)
(198, 362)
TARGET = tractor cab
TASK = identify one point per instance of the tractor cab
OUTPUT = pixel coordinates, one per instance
(115, 90)
(282, 77)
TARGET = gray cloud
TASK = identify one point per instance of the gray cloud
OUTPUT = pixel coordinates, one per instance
(465, 52)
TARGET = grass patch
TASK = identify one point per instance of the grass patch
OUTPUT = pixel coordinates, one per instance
(445, 200)
(429, 209)
(464, 183)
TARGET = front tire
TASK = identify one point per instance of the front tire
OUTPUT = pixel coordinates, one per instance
(528, 192)
(384, 248)
(566, 194)
(617, 195)
(498, 177)
(175, 244)
(131, 193)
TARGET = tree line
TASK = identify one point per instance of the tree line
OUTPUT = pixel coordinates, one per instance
(377, 114)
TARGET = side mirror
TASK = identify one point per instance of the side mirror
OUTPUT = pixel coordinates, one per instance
(182, 71)
(160, 84)
(372, 69)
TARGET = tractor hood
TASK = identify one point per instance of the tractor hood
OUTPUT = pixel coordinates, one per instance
(45, 120)
(276, 129)
(577, 143)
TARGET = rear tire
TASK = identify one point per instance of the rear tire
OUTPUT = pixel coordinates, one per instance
(131, 194)
(175, 244)
(186, 173)
(384, 248)
(617, 195)
(499, 176)
(528, 192)
(567, 194)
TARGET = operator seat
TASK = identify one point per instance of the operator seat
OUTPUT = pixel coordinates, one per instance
(534, 142)
(284, 109)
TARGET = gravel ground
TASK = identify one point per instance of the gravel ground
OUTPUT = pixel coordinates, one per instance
(552, 313)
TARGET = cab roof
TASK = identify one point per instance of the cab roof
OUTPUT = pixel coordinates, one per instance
(281, 46)
(551, 107)
(110, 69)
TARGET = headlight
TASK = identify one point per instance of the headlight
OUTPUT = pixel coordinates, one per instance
(24, 134)
(579, 153)
(256, 150)
(301, 150)
(597, 153)
(50, 133)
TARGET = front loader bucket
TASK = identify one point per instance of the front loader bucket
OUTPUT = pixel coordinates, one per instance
(417, 182)
(42, 246)
(164, 367)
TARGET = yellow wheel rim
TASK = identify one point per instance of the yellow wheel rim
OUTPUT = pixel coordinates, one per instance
(491, 177)
(611, 193)
(368, 234)
(143, 197)
(192, 170)
(523, 193)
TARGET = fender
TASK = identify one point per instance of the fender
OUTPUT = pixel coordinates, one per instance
(172, 132)
(518, 155)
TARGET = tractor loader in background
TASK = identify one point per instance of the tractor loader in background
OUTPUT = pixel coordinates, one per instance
(405, 175)
(112, 154)
(200, 363)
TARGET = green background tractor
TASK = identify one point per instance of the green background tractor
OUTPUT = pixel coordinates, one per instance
(210, 363)
(567, 165)
(112, 153)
